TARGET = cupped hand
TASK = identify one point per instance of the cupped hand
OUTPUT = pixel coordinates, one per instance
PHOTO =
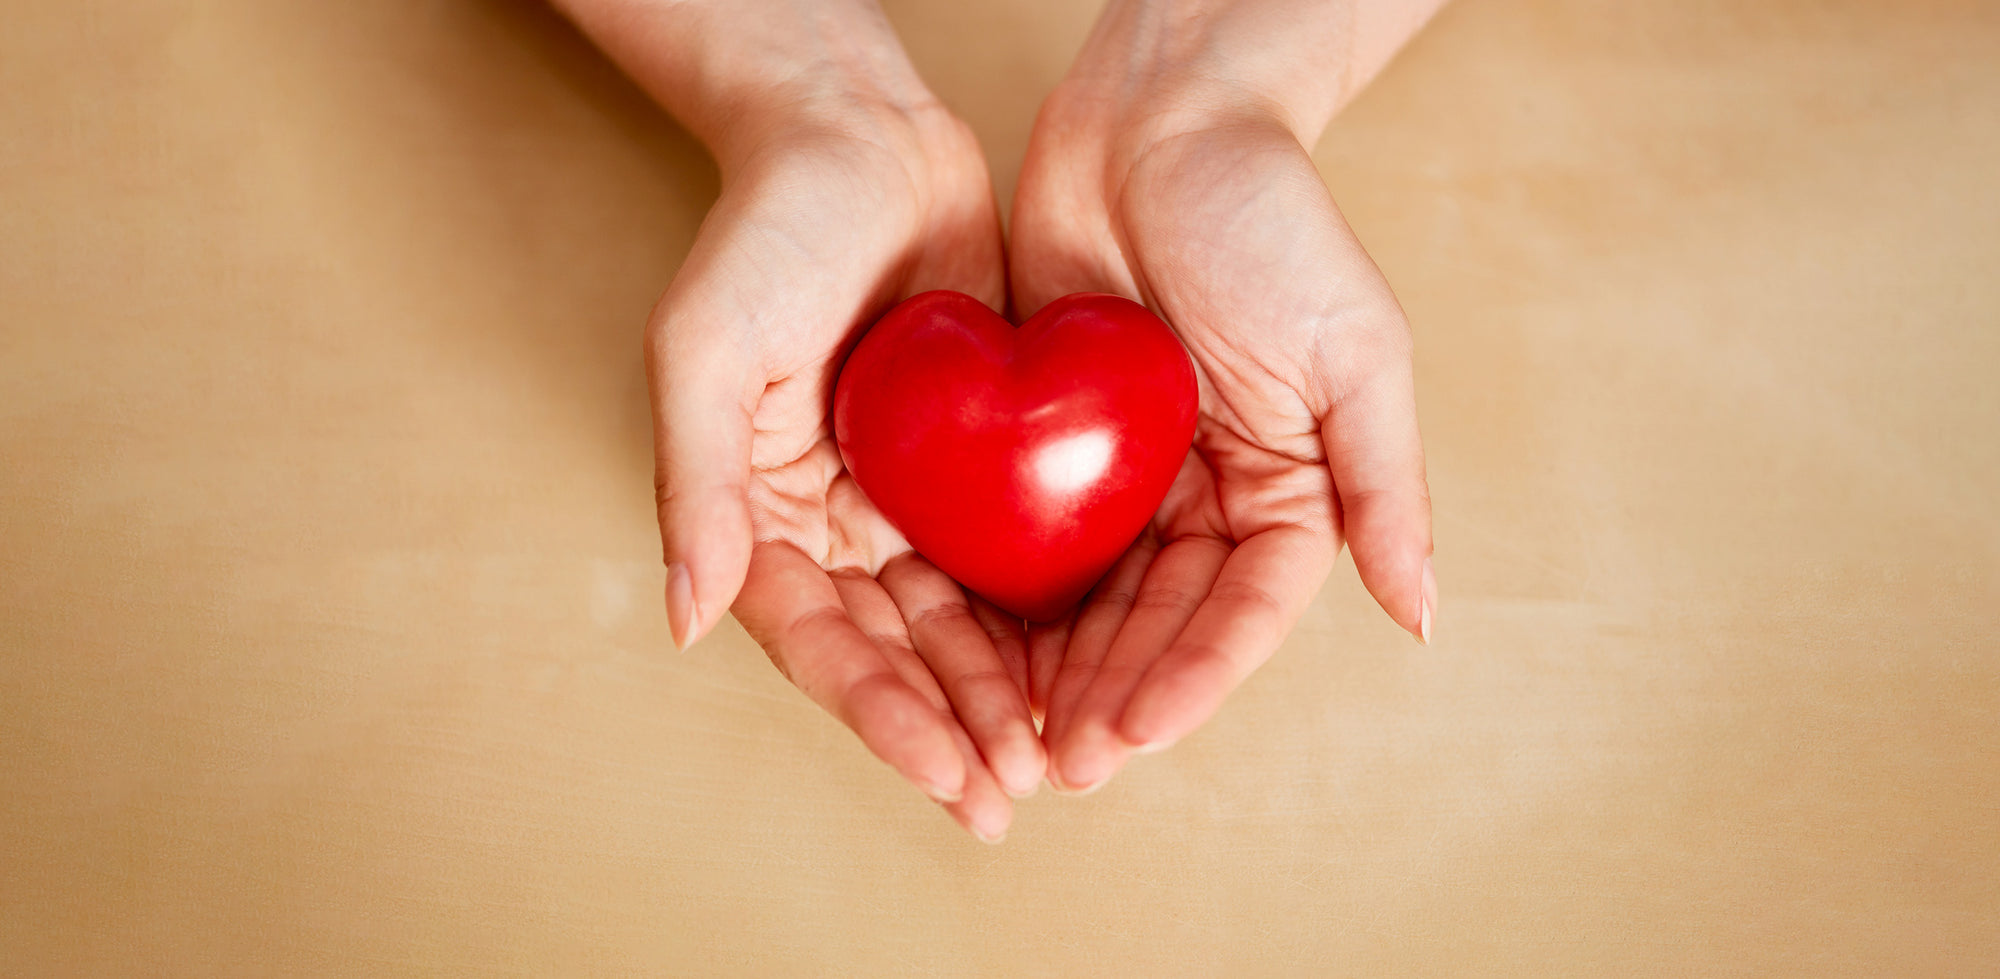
(1214, 216)
(820, 228)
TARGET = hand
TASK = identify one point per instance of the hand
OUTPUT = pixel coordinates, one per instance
(1183, 186)
(846, 188)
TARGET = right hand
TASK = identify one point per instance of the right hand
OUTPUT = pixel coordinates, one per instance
(846, 187)
(819, 230)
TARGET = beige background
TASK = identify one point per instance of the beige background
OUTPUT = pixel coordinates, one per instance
(329, 631)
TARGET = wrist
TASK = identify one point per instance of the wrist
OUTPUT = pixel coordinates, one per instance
(1154, 69)
(1113, 126)
(742, 74)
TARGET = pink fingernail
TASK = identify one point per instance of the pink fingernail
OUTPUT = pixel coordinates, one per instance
(1068, 784)
(1029, 766)
(938, 793)
(1429, 600)
(681, 610)
(985, 835)
(1078, 793)
(1019, 787)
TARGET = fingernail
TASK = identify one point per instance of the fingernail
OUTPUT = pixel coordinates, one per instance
(938, 793)
(1152, 748)
(1061, 789)
(1023, 766)
(681, 610)
(1073, 781)
(1430, 600)
(1019, 788)
(985, 834)
(1087, 772)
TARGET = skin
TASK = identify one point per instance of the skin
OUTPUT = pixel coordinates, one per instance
(1168, 167)
(1171, 166)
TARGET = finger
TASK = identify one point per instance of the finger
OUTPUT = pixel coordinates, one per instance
(706, 350)
(1046, 644)
(982, 808)
(961, 654)
(790, 606)
(1090, 749)
(1010, 639)
(703, 401)
(1376, 456)
(1262, 590)
(874, 613)
(1095, 626)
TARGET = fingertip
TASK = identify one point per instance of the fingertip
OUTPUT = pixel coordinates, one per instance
(1164, 709)
(1064, 788)
(706, 573)
(1430, 602)
(691, 618)
(1392, 556)
(1143, 725)
(988, 819)
(1022, 769)
(985, 811)
(683, 616)
(937, 791)
(1376, 456)
(987, 824)
(1047, 645)
(1086, 761)
(905, 730)
(940, 777)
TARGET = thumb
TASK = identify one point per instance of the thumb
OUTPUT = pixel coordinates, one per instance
(1377, 459)
(704, 398)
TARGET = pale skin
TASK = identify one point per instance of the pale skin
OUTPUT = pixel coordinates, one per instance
(1170, 166)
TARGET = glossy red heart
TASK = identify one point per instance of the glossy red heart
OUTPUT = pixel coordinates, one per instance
(1021, 462)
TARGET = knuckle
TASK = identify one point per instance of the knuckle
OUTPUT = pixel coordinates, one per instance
(943, 615)
(965, 684)
(810, 621)
(1200, 655)
(876, 698)
(1117, 600)
(1252, 598)
(892, 642)
(1000, 635)
(1165, 598)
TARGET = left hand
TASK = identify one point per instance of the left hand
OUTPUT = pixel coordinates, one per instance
(1208, 209)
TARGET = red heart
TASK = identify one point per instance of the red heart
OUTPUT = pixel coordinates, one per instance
(1021, 462)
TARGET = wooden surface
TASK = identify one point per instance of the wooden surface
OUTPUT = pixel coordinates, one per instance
(330, 632)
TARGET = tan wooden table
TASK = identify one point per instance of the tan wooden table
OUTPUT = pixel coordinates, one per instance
(330, 640)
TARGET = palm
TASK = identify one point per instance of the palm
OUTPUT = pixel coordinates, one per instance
(872, 235)
(1229, 234)
(852, 218)
(799, 491)
(1222, 260)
